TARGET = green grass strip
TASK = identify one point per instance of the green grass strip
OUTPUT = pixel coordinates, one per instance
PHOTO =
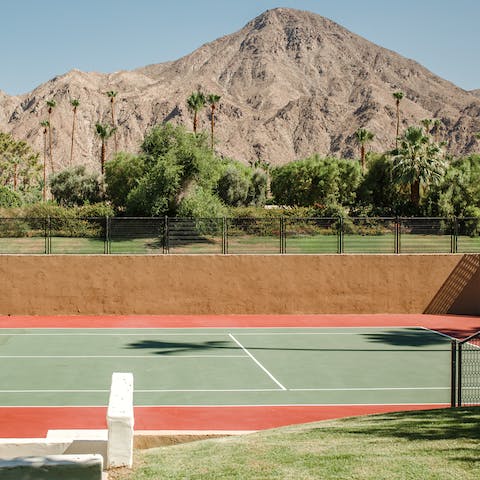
(436, 444)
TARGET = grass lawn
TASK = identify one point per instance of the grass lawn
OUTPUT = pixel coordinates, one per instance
(435, 444)
(238, 244)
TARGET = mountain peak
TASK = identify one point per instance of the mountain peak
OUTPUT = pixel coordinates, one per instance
(292, 83)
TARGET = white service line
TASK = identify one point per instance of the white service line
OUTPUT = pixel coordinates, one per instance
(257, 362)
(150, 357)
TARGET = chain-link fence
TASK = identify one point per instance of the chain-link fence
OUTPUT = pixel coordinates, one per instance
(285, 235)
(466, 371)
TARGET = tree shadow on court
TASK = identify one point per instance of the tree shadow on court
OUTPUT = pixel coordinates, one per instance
(159, 347)
(408, 338)
(442, 424)
(167, 348)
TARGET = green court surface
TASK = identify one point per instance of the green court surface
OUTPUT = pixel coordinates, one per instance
(216, 366)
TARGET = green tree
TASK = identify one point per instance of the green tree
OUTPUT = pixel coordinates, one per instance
(457, 191)
(398, 96)
(378, 194)
(75, 186)
(112, 94)
(417, 163)
(19, 165)
(176, 163)
(104, 132)
(196, 102)
(75, 103)
(212, 100)
(363, 136)
(122, 175)
(316, 180)
(234, 185)
(9, 198)
(51, 104)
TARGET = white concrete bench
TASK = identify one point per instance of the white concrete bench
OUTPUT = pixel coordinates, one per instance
(120, 421)
(54, 467)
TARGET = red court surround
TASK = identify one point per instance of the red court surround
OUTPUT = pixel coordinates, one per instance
(36, 421)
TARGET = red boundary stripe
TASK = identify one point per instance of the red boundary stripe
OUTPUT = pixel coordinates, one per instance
(36, 421)
(453, 325)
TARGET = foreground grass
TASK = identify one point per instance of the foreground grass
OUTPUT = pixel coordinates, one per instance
(436, 444)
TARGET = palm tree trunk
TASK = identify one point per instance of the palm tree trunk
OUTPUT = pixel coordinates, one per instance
(15, 166)
(44, 164)
(415, 193)
(398, 124)
(103, 156)
(195, 120)
(50, 138)
(113, 126)
(73, 135)
(362, 153)
(212, 125)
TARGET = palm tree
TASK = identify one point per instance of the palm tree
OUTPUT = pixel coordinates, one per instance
(398, 97)
(111, 94)
(212, 100)
(74, 103)
(104, 132)
(51, 105)
(427, 123)
(363, 136)
(437, 124)
(46, 127)
(417, 162)
(196, 101)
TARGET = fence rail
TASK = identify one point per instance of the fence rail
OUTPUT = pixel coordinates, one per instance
(285, 235)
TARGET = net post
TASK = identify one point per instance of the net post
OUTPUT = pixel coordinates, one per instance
(453, 378)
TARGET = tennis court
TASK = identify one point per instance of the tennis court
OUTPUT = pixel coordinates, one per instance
(247, 373)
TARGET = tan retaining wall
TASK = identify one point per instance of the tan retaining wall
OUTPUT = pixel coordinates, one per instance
(239, 284)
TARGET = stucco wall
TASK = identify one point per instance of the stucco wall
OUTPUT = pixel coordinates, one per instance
(240, 284)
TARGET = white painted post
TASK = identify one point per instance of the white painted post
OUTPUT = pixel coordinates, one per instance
(120, 421)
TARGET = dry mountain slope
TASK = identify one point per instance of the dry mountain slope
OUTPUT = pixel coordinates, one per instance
(292, 83)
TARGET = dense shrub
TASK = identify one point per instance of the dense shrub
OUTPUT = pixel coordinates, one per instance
(9, 198)
(75, 186)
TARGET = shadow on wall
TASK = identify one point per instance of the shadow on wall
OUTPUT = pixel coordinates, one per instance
(460, 294)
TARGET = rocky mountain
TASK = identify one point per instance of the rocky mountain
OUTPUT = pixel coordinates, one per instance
(476, 92)
(292, 84)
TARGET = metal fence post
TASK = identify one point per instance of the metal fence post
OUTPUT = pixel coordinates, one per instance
(397, 235)
(282, 236)
(106, 246)
(224, 238)
(165, 235)
(459, 376)
(48, 235)
(454, 238)
(340, 236)
(453, 376)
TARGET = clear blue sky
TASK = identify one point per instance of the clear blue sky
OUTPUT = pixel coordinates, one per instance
(44, 38)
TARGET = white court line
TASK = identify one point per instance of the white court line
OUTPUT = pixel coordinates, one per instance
(150, 357)
(257, 362)
(149, 391)
(364, 389)
(54, 391)
(212, 390)
(437, 333)
(80, 334)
